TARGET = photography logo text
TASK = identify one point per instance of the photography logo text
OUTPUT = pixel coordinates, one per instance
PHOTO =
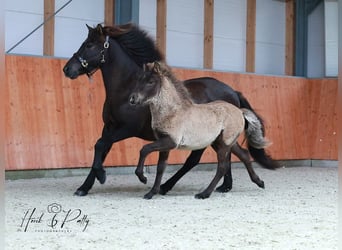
(53, 219)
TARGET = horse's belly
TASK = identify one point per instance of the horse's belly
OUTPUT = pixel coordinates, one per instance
(193, 141)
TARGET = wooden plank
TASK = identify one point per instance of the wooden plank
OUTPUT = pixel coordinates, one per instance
(109, 12)
(208, 34)
(290, 38)
(56, 124)
(250, 35)
(49, 28)
(161, 25)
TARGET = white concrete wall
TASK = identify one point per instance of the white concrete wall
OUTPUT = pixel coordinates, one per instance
(331, 37)
(230, 35)
(270, 37)
(21, 17)
(184, 45)
(70, 28)
(315, 65)
(147, 16)
(185, 32)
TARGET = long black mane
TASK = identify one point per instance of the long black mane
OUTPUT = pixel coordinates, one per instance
(135, 42)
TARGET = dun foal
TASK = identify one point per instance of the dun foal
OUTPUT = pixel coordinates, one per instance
(178, 123)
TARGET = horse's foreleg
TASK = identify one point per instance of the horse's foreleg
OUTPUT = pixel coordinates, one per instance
(101, 148)
(190, 162)
(223, 166)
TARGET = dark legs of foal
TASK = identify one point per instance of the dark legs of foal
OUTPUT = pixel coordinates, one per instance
(243, 155)
(194, 159)
(163, 145)
(223, 166)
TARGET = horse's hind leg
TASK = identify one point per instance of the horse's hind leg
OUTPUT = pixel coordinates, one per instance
(190, 162)
(223, 166)
(243, 155)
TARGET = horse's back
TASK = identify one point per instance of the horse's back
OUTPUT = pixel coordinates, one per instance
(208, 89)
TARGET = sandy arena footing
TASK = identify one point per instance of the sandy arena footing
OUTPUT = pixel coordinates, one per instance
(296, 210)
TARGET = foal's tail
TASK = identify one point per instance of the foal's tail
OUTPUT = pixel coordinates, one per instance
(255, 135)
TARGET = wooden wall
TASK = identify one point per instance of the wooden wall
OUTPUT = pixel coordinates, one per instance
(53, 122)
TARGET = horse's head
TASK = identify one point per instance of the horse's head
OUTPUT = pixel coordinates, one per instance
(90, 56)
(148, 83)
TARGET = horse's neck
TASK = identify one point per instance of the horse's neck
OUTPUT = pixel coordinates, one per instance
(118, 70)
(167, 101)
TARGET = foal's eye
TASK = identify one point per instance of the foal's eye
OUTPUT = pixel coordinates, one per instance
(89, 45)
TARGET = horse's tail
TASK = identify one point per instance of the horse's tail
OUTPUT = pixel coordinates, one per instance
(256, 141)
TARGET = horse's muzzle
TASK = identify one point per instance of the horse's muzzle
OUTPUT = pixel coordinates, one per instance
(69, 73)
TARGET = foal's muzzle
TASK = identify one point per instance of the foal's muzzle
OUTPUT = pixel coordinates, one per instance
(133, 99)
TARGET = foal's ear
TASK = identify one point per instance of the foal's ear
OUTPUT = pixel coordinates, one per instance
(148, 66)
(157, 68)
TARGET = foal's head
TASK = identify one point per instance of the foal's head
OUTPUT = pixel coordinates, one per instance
(149, 82)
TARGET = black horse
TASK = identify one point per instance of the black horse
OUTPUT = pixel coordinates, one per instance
(120, 52)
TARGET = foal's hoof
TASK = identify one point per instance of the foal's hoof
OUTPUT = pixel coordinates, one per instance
(101, 175)
(80, 192)
(223, 189)
(202, 195)
(148, 196)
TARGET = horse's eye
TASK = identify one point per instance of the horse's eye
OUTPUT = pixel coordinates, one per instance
(89, 45)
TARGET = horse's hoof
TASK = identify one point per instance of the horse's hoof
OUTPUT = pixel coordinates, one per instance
(101, 176)
(148, 196)
(202, 196)
(143, 179)
(223, 189)
(261, 184)
(80, 192)
(163, 189)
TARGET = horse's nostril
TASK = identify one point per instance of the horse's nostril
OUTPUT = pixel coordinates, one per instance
(132, 100)
(65, 69)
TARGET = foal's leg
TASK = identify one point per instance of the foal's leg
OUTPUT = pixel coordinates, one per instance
(227, 184)
(223, 166)
(102, 147)
(163, 145)
(243, 155)
(190, 162)
(163, 156)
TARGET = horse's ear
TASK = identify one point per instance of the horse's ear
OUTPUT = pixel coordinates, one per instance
(99, 29)
(89, 28)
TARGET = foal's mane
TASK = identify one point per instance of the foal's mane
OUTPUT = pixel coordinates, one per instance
(135, 42)
(166, 71)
